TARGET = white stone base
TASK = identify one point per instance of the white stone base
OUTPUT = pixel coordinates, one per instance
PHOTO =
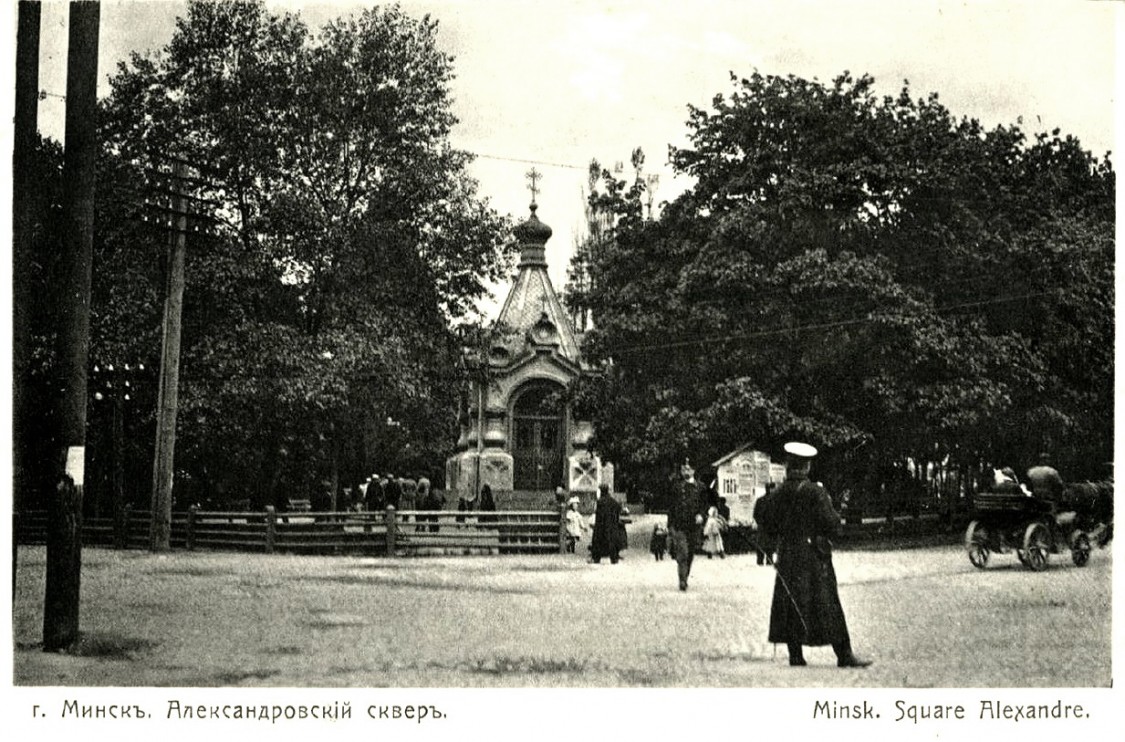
(495, 471)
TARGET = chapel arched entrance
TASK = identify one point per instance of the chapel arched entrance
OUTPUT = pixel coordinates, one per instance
(539, 437)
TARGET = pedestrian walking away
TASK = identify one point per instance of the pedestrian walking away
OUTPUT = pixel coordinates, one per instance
(685, 522)
(606, 541)
(487, 504)
(806, 609)
(466, 503)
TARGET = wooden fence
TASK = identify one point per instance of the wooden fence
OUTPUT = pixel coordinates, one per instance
(389, 533)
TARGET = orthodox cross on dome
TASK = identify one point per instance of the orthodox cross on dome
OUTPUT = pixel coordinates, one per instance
(533, 176)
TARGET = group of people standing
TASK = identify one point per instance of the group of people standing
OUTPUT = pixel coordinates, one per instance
(468, 501)
(401, 493)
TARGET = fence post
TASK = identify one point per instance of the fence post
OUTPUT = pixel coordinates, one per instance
(389, 518)
(562, 528)
(120, 519)
(121, 527)
(190, 537)
(271, 528)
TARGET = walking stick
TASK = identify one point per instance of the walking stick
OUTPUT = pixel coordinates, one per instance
(788, 592)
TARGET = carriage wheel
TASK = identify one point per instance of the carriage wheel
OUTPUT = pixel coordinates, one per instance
(975, 534)
(978, 555)
(1023, 557)
(976, 543)
(1106, 535)
(1080, 549)
(1036, 546)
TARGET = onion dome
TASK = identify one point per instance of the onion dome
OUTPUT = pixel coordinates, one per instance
(532, 235)
(532, 230)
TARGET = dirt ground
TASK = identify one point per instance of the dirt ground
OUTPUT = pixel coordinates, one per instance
(206, 619)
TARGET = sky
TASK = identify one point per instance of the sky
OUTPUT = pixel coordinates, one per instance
(558, 83)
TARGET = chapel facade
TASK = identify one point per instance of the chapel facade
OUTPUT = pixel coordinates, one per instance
(518, 431)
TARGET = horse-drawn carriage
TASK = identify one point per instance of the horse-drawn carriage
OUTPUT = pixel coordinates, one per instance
(1036, 528)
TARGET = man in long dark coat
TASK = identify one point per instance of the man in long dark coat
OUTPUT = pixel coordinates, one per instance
(1045, 480)
(605, 541)
(392, 492)
(685, 522)
(806, 608)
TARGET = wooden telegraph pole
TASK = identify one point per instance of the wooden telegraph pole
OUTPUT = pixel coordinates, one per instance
(24, 155)
(64, 531)
(160, 534)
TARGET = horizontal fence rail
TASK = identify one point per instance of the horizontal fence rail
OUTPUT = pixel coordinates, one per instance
(390, 533)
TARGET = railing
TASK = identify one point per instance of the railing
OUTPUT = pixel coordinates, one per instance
(388, 533)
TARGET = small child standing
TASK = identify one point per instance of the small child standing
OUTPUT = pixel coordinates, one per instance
(713, 534)
(659, 543)
(575, 525)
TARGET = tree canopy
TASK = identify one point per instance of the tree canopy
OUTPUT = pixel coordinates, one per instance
(871, 274)
(340, 238)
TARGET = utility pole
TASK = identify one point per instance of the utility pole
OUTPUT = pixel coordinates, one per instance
(64, 530)
(160, 533)
(24, 157)
(26, 125)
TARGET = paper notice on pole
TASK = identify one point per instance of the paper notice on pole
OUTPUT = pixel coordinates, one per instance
(76, 464)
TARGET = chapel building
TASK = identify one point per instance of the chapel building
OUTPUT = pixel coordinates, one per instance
(518, 432)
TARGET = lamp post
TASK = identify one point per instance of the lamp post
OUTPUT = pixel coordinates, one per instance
(116, 383)
(474, 356)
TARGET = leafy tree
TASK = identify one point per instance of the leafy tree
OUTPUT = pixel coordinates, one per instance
(344, 237)
(871, 274)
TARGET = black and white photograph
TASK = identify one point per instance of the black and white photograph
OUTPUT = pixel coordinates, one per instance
(437, 368)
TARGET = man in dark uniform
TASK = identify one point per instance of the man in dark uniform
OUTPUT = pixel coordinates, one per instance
(806, 608)
(1045, 480)
(685, 522)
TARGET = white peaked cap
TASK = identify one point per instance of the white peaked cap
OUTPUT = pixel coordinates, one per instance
(800, 450)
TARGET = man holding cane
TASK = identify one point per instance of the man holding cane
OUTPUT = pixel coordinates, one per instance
(806, 608)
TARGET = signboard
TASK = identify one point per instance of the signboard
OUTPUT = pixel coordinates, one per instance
(742, 479)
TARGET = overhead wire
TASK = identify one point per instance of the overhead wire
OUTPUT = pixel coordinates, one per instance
(870, 318)
(971, 284)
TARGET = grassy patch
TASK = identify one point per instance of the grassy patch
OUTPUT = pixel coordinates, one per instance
(1034, 603)
(234, 678)
(328, 621)
(285, 651)
(111, 646)
(414, 585)
(194, 572)
(642, 678)
(717, 655)
(565, 567)
(527, 666)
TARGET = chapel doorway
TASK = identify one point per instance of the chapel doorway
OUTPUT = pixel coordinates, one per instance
(538, 437)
